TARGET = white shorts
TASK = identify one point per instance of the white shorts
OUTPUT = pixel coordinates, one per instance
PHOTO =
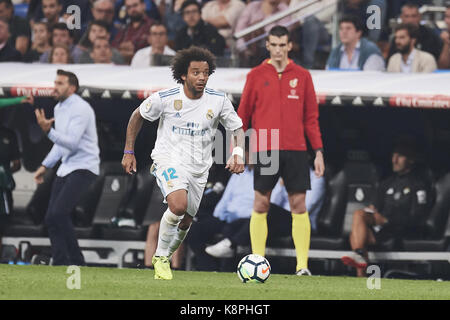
(174, 177)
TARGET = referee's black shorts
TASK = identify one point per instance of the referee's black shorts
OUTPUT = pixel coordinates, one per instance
(292, 166)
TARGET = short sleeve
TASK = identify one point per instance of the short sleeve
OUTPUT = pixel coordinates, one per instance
(228, 117)
(151, 108)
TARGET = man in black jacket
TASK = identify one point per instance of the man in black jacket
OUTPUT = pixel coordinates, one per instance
(197, 32)
(400, 207)
(7, 52)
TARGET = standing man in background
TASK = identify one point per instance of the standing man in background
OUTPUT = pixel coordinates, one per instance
(279, 95)
(76, 145)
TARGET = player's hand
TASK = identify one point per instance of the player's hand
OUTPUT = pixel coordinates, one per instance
(129, 163)
(445, 37)
(43, 122)
(235, 164)
(39, 175)
(29, 99)
(319, 165)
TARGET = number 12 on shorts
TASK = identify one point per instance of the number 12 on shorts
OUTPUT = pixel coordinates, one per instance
(169, 174)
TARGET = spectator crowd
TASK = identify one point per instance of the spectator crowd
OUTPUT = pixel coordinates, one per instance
(141, 33)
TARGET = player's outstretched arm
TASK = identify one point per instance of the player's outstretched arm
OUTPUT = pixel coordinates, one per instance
(134, 126)
(235, 163)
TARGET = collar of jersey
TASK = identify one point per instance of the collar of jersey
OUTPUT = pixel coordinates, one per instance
(191, 101)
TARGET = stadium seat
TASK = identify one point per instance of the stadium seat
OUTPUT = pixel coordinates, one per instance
(140, 198)
(30, 221)
(349, 190)
(155, 209)
(134, 209)
(437, 224)
(84, 211)
(114, 190)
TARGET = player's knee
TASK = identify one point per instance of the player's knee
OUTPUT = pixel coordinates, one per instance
(297, 202)
(261, 206)
(298, 206)
(178, 208)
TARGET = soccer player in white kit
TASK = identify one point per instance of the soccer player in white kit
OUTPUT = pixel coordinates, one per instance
(188, 118)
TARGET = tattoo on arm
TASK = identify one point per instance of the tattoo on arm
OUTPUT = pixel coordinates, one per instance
(134, 126)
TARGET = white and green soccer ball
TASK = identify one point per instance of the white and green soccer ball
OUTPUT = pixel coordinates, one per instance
(253, 268)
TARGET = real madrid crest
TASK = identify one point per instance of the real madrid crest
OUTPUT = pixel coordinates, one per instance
(293, 83)
(178, 104)
(209, 114)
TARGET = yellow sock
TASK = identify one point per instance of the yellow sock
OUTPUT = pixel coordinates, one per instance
(258, 232)
(301, 234)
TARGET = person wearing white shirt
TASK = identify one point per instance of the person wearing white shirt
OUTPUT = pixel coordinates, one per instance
(158, 46)
(409, 59)
(188, 115)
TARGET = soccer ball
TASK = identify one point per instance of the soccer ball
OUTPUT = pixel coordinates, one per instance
(253, 268)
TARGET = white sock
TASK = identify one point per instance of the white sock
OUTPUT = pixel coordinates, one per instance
(167, 231)
(177, 240)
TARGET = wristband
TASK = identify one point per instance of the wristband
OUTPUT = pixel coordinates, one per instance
(128, 151)
(238, 151)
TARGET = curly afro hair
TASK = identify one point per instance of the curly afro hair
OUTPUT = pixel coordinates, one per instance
(183, 58)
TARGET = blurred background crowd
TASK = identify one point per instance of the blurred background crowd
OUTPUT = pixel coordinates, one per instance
(141, 33)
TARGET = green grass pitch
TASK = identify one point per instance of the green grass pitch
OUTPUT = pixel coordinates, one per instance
(44, 282)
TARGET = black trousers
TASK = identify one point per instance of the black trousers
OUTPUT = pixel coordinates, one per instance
(66, 192)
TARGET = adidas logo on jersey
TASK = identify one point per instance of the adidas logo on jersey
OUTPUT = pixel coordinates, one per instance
(177, 115)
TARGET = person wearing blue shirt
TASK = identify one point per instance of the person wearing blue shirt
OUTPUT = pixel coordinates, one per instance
(76, 146)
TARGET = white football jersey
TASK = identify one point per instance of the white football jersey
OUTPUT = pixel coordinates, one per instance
(187, 127)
